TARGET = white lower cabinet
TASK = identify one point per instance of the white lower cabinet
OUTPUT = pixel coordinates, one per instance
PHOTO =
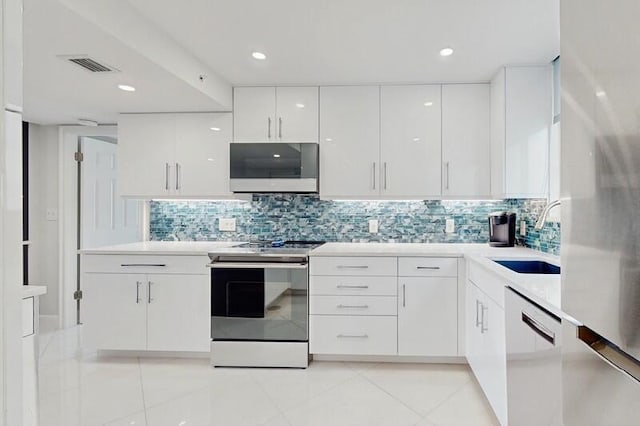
(486, 346)
(379, 313)
(427, 316)
(146, 311)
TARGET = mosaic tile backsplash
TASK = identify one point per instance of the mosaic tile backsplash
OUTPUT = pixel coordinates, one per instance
(306, 217)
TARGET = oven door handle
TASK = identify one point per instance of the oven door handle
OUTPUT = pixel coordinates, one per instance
(241, 265)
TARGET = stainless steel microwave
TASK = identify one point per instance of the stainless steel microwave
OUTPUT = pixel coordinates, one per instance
(274, 167)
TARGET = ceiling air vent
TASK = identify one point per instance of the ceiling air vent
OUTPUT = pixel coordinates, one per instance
(88, 63)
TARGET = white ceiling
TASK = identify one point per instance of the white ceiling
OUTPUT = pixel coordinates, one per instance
(307, 42)
(360, 41)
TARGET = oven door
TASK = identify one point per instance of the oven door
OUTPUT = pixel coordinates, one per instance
(259, 302)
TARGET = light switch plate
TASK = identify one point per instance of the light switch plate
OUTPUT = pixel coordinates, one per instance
(52, 214)
(523, 228)
(373, 226)
(227, 224)
(450, 226)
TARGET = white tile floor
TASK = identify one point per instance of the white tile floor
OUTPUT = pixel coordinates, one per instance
(78, 388)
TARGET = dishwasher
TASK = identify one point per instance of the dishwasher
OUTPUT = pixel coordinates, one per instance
(534, 363)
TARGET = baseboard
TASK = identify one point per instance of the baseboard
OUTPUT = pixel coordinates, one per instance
(392, 359)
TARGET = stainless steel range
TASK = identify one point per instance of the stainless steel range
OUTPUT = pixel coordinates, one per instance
(260, 305)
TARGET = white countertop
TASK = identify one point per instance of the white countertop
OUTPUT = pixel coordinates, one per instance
(542, 289)
(33, 290)
(184, 248)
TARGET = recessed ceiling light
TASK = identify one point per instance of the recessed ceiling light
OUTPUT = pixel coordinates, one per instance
(299, 105)
(85, 122)
(259, 56)
(126, 88)
(416, 139)
(276, 155)
(601, 93)
(210, 159)
(328, 139)
(428, 103)
(215, 129)
(447, 51)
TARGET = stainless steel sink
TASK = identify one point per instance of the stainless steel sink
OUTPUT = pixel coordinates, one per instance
(529, 266)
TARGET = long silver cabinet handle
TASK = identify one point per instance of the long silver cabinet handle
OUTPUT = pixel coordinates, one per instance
(352, 306)
(154, 265)
(269, 127)
(483, 327)
(404, 295)
(447, 167)
(167, 169)
(138, 284)
(280, 127)
(435, 268)
(540, 329)
(351, 286)
(353, 267)
(610, 353)
(385, 175)
(149, 298)
(374, 175)
(352, 336)
(478, 304)
(178, 177)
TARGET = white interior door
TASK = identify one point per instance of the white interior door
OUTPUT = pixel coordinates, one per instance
(106, 218)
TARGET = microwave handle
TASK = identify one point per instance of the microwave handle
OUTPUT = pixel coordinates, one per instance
(242, 265)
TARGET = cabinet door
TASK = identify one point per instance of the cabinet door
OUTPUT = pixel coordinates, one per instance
(410, 141)
(178, 312)
(114, 311)
(428, 316)
(297, 114)
(528, 124)
(466, 140)
(146, 145)
(494, 382)
(254, 114)
(349, 142)
(202, 155)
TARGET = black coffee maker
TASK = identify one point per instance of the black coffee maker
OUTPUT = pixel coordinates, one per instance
(502, 229)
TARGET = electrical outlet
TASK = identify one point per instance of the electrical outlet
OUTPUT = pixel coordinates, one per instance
(373, 226)
(523, 228)
(450, 226)
(227, 224)
(52, 214)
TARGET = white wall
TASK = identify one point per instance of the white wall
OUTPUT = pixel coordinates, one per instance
(43, 195)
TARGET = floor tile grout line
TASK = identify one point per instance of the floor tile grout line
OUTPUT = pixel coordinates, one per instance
(144, 403)
(457, 391)
(264, 391)
(391, 395)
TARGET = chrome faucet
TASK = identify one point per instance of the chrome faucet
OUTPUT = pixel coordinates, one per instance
(543, 217)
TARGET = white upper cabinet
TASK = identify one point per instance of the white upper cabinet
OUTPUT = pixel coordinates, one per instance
(349, 141)
(202, 154)
(521, 123)
(254, 110)
(146, 150)
(410, 147)
(174, 155)
(466, 139)
(275, 114)
(297, 114)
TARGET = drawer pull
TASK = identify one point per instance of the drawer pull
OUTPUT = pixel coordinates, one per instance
(351, 286)
(352, 336)
(352, 306)
(428, 267)
(353, 267)
(155, 265)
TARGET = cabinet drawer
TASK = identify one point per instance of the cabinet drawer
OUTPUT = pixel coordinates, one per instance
(353, 335)
(353, 305)
(376, 266)
(428, 267)
(491, 284)
(145, 264)
(28, 326)
(353, 286)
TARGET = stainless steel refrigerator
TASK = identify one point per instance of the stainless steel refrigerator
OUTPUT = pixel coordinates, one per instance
(600, 122)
